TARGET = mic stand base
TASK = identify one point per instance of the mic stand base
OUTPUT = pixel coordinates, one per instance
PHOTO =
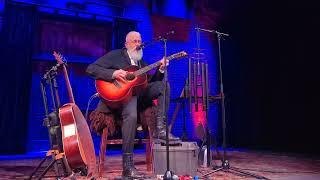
(168, 175)
(225, 166)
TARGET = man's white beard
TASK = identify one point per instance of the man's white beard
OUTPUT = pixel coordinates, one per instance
(136, 55)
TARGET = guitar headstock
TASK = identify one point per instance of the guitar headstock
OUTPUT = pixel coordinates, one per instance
(59, 57)
(180, 54)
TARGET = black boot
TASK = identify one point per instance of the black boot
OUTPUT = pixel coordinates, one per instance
(129, 171)
(160, 132)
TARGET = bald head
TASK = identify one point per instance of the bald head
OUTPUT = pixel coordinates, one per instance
(131, 35)
(133, 39)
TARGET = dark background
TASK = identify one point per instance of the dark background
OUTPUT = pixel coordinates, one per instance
(272, 78)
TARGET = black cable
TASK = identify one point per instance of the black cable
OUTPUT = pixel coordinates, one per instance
(89, 102)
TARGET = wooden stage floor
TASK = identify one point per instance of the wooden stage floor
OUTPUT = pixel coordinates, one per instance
(271, 165)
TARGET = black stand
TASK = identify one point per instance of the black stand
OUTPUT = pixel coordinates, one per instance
(168, 175)
(184, 136)
(51, 153)
(225, 166)
(205, 94)
(52, 122)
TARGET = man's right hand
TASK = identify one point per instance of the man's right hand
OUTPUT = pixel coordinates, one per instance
(119, 74)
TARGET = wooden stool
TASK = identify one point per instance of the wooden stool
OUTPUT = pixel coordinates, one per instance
(104, 125)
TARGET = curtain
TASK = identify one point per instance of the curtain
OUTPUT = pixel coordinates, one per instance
(16, 42)
(120, 29)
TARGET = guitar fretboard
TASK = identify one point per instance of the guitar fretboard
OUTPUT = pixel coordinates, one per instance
(151, 66)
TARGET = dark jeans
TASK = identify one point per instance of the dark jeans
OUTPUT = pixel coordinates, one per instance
(129, 113)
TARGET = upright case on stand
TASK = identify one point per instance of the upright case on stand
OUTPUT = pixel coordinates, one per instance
(183, 158)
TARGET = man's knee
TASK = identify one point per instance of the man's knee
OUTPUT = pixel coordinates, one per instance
(131, 117)
(160, 85)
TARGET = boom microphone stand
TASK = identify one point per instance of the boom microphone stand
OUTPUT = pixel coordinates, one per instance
(225, 166)
(168, 174)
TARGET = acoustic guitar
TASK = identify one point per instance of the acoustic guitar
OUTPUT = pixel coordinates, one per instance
(117, 92)
(76, 137)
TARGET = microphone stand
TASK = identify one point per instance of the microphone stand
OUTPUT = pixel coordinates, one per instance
(225, 166)
(168, 174)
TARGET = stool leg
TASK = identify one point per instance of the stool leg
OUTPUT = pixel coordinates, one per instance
(148, 158)
(149, 152)
(103, 147)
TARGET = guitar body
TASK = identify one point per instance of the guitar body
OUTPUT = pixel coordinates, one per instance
(117, 92)
(76, 137)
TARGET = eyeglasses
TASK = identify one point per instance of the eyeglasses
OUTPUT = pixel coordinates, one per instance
(136, 41)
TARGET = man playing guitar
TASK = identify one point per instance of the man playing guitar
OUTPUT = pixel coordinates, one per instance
(111, 68)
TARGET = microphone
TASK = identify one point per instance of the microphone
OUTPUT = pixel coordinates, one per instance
(141, 46)
(165, 35)
(211, 31)
(170, 32)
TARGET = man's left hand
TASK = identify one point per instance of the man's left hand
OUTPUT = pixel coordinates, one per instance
(162, 66)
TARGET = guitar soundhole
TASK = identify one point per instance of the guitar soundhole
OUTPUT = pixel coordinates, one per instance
(130, 77)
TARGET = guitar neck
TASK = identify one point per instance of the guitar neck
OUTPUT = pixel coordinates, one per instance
(69, 89)
(60, 58)
(149, 67)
